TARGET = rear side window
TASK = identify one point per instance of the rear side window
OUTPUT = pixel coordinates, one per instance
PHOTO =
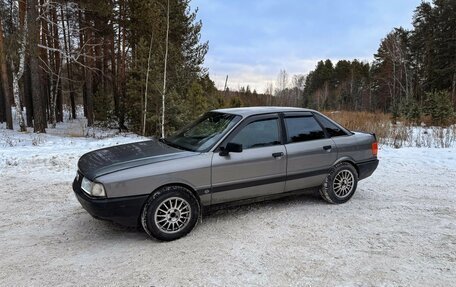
(332, 129)
(300, 129)
(258, 134)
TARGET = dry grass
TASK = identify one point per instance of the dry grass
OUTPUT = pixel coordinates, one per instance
(378, 123)
(397, 135)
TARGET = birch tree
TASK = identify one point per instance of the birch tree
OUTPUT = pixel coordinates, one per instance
(146, 88)
(18, 75)
(164, 72)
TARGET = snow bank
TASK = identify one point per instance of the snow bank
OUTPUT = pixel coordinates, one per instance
(57, 151)
(420, 136)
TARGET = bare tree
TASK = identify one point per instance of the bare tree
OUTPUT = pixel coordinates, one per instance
(164, 72)
(395, 51)
(145, 92)
(54, 54)
(269, 92)
(88, 58)
(298, 86)
(67, 49)
(282, 82)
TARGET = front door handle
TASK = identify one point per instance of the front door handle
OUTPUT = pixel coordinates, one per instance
(327, 147)
(277, 154)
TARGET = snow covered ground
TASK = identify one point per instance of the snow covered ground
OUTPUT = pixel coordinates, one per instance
(398, 230)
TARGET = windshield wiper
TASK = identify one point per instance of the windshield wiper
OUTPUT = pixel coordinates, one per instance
(171, 144)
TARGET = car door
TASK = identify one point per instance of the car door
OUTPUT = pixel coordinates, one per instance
(309, 150)
(259, 170)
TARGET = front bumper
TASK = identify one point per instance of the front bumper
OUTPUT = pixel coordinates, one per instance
(124, 210)
(366, 168)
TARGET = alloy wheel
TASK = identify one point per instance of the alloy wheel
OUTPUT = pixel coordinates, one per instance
(172, 215)
(343, 183)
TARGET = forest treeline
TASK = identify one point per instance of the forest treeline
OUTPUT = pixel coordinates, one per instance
(138, 65)
(413, 73)
(123, 61)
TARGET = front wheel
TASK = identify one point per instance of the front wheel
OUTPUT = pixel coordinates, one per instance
(340, 184)
(170, 213)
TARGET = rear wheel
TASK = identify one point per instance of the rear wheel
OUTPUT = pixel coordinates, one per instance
(340, 184)
(170, 213)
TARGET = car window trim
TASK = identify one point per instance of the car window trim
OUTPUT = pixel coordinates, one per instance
(346, 131)
(244, 122)
(222, 139)
(302, 115)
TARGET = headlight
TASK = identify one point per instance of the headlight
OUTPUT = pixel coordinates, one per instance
(92, 188)
(86, 185)
(98, 190)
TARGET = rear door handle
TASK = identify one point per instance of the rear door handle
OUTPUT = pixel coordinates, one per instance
(327, 147)
(277, 154)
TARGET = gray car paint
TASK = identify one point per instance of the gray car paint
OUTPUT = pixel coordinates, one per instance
(193, 172)
(140, 168)
(353, 148)
(254, 164)
(116, 158)
(307, 157)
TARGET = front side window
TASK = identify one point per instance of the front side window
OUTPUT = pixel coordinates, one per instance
(204, 133)
(300, 129)
(258, 134)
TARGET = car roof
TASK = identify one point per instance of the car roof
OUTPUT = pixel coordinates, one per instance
(249, 111)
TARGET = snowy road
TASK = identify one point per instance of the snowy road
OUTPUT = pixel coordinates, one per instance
(398, 230)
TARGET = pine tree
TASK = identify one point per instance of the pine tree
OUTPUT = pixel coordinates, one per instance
(438, 106)
(39, 110)
(6, 91)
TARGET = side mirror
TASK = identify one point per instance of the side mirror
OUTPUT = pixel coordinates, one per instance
(231, 147)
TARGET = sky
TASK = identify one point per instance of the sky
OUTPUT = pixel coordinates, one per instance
(252, 40)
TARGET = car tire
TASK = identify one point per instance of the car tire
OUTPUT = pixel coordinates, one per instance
(340, 184)
(170, 213)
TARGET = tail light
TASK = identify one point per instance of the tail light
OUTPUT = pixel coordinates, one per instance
(374, 148)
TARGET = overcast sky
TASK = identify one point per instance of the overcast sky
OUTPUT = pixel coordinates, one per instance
(251, 41)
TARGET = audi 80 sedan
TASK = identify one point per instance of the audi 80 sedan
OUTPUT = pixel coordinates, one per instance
(227, 156)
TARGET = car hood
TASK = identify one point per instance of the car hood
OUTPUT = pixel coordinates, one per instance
(108, 160)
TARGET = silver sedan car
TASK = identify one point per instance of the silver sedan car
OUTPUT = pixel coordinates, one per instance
(228, 156)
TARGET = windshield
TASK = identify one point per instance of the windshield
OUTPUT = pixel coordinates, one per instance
(204, 133)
